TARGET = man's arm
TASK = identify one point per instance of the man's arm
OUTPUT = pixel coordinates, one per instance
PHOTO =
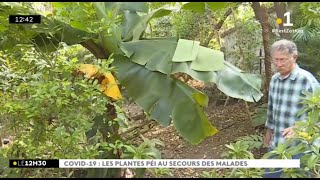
(267, 137)
(270, 121)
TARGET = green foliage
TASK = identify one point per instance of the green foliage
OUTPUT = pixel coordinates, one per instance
(238, 150)
(308, 56)
(202, 6)
(48, 103)
(160, 172)
(157, 5)
(308, 26)
(83, 16)
(185, 24)
(241, 149)
(48, 110)
(307, 134)
(10, 35)
(311, 100)
(306, 20)
(212, 174)
(108, 39)
(311, 13)
(161, 27)
(192, 26)
(253, 141)
(235, 83)
(246, 39)
(188, 23)
(146, 150)
(170, 100)
(249, 173)
(293, 173)
(306, 33)
(260, 114)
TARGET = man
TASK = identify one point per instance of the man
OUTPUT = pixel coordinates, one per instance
(285, 94)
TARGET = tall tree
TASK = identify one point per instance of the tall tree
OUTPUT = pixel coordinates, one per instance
(261, 14)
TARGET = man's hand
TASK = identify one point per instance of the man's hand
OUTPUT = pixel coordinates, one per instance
(288, 132)
(267, 138)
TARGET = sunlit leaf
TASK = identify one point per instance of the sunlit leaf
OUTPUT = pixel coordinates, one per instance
(216, 5)
(195, 6)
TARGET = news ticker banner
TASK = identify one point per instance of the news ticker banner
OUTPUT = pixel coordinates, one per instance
(154, 163)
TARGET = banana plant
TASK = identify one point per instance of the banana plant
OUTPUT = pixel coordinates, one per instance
(145, 67)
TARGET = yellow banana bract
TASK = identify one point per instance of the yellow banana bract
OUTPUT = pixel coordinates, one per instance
(111, 89)
(88, 69)
(109, 86)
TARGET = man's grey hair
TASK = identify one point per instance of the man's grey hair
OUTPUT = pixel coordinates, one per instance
(286, 46)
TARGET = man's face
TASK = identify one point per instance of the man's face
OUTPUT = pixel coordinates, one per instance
(283, 61)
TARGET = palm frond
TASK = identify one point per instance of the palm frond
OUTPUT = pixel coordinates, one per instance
(306, 33)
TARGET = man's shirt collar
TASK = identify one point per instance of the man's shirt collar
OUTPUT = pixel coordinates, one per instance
(292, 75)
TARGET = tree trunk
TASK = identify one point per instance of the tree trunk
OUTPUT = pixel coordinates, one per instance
(281, 9)
(261, 14)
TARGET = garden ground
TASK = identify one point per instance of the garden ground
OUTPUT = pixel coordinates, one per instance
(232, 121)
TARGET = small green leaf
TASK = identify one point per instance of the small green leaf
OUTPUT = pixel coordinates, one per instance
(194, 6)
(74, 95)
(230, 147)
(74, 60)
(216, 5)
(311, 161)
(130, 149)
(58, 4)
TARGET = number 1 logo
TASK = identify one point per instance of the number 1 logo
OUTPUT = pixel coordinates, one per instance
(288, 23)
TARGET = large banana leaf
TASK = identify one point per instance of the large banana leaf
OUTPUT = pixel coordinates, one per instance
(109, 42)
(134, 24)
(209, 76)
(157, 55)
(148, 52)
(130, 20)
(186, 51)
(166, 99)
(237, 84)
